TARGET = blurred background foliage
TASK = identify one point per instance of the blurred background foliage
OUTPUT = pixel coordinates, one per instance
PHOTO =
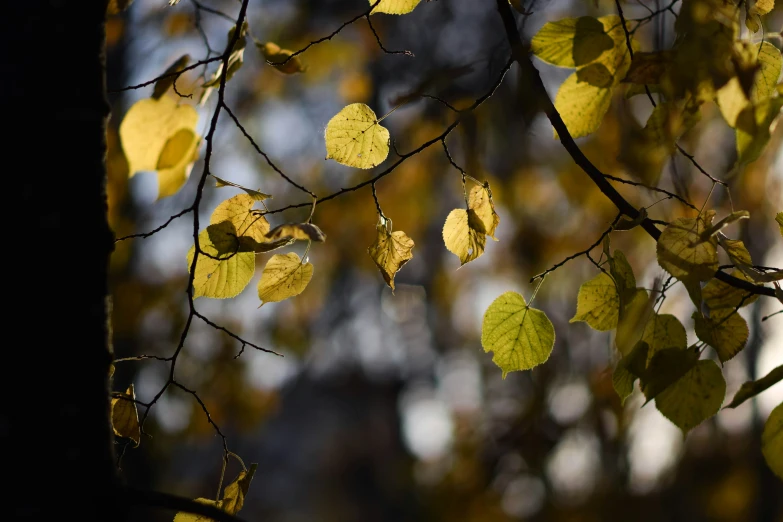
(385, 407)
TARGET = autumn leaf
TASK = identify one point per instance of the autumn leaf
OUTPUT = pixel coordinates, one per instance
(724, 330)
(235, 62)
(664, 332)
(255, 194)
(355, 138)
(168, 77)
(301, 231)
(679, 258)
(234, 494)
(598, 301)
(273, 54)
(183, 516)
(238, 210)
(572, 42)
(520, 337)
(666, 368)
(464, 234)
(284, 276)
(694, 397)
(719, 295)
(772, 441)
(390, 251)
(480, 201)
(753, 128)
(750, 389)
(226, 270)
(125, 416)
(396, 7)
(779, 219)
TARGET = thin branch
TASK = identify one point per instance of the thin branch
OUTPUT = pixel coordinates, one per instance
(206, 412)
(380, 44)
(233, 335)
(654, 189)
(177, 73)
(151, 232)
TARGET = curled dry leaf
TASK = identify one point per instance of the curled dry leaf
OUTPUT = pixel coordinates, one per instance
(390, 251)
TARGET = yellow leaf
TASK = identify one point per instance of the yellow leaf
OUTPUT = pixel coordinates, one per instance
(720, 295)
(355, 138)
(731, 97)
(163, 85)
(161, 135)
(633, 320)
(737, 251)
(598, 303)
(725, 330)
(255, 194)
(754, 127)
(666, 368)
(234, 494)
(464, 234)
(480, 200)
(772, 441)
(239, 211)
(679, 258)
(390, 251)
(284, 276)
(302, 231)
(228, 271)
(572, 42)
(274, 54)
(183, 516)
(396, 7)
(664, 332)
(125, 416)
(521, 337)
(694, 397)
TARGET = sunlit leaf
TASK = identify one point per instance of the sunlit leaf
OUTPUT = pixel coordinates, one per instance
(750, 389)
(274, 54)
(182, 516)
(464, 234)
(390, 251)
(161, 135)
(694, 397)
(598, 303)
(724, 330)
(664, 332)
(163, 85)
(572, 42)
(301, 231)
(255, 194)
(583, 103)
(355, 138)
(228, 271)
(239, 211)
(125, 416)
(520, 337)
(480, 200)
(396, 7)
(679, 258)
(284, 276)
(719, 295)
(772, 441)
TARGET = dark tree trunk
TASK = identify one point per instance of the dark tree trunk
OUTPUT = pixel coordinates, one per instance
(58, 444)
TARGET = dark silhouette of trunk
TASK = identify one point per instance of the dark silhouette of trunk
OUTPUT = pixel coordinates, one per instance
(58, 445)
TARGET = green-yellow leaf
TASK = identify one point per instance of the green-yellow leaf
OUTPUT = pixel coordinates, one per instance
(125, 416)
(163, 85)
(750, 389)
(275, 55)
(396, 7)
(390, 251)
(255, 194)
(725, 330)
(679, 258)
(572, 42)
(693, 287)
(623, 382)
(598, 303)
(161, 135)
(694, 397)
(630, 368)
(719, 295)
(464, 234)
(754, 127)
(772, 441)
(301, 231)
(183, 516)
(239, 211)
(284, 276)
(480, 200)
(520, 337)
(633, 320)
(355, 138)
(663, 332)
(666, 368)
(228, 271)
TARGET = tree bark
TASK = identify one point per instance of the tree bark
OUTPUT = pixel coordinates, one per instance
(58, 443)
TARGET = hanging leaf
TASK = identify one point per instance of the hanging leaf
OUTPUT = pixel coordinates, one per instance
(234, 494)
(772, 441)
(521, 337)
(165, 83)
(390, 251)
(355, 138)
(255, 194)
(395, 7)
(161, 135)
(239, 211)
(750, 389)
(464, 234)
(273, 54)
(623, 383)
(125, 416)
(694, 397)
(235, 62)
(480, 200)
(284, 276)
(598, 303)
(226, 270)
(664, 332)
(301, 231)
(724, 330)
(679, 258)
(753, 128)
(572, 42)
(633, 320)
(628, 369)
(719, 295)
(666, 368)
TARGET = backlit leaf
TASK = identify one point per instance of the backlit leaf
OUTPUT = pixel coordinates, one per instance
(125, 416)
(750, 389)
(480, 200)
(623, 382)
(665, 368)
(633, 320)
(572, 42)
(679, 258)
(255, 194)
(598, 303)
(284, 276)
(693, 398)
(396, 7)
(227, 275)
(274, 54)
(717, 227)
(355, 138)
(163, 85)
(725, 330)
(664, 332)
(390, 251)
(520, 337)
(719, 295)
(235, 62)
(161, 135)
(301, 231)
(754, 127)
(239, 211)
(464, 234)
(772, 441)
